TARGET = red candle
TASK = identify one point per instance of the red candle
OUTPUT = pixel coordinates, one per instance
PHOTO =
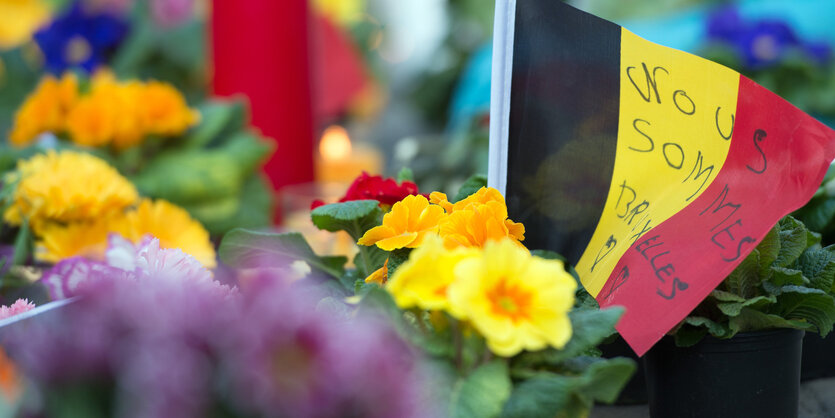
(260, 48)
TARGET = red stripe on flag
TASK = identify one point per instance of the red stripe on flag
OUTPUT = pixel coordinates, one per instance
(777, 159)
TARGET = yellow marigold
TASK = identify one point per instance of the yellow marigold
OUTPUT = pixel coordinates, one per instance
(422, 281)
(516, 301)
(19, 19)
(174, 227)
(87, 238)
(408, 223)
(478, 224)
(164, 110)
(67, 187)
(45, 110)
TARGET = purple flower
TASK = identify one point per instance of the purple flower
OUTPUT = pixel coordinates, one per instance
(169, 13)
(178, 348)
(81, 37)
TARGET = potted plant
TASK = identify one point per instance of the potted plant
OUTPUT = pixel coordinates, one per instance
(738, 353)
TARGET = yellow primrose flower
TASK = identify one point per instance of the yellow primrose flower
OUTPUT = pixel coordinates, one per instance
(408, 223)
(480, 197)
(65, 187)
(516, 301)
(86, 238)
(422, 280)
(19, 19)
(379, 276)
(478, 224)
(45, 110)
(174, 227)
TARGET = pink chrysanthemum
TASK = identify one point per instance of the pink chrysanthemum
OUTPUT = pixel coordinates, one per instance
(20, 306)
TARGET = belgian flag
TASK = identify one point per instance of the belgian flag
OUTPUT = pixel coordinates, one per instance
(653, 170)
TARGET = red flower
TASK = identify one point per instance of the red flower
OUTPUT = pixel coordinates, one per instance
(385, 191)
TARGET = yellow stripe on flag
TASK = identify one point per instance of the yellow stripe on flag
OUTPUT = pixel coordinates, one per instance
(675, 126)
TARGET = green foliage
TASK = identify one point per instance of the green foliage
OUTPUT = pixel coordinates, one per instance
(472, 185)
(354, 217)
(242, 248)
(482, 393)
(786, 282)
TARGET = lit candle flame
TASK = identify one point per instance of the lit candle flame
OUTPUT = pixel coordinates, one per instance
(335, 143)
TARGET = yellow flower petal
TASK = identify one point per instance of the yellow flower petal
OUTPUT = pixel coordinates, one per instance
(376, 234)
(397, 241)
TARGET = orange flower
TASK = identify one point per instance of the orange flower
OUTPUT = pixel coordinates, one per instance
(380, 276)
(479, 218)
(10, 380)
(45, 109)
(408, 223)
(164, 111)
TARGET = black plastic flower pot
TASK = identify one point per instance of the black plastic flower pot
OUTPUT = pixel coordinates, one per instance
(818, 357)
(754, 374)
(635, 391)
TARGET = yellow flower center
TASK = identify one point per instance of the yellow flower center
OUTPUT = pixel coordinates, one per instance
(78, 50)
(510, 301)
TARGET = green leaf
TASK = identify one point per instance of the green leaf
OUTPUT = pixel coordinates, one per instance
(472, 185)
(22, 244)
(548, 255)
(589, 328)
(782, 276)
(483, 393)
(746, 277)
(251, 209)
(369, 260)
(405, 174)
(818, 264)
(754, 320)
(548, 394)
(354, 217)
(723, 296)
(715, 329)
(396, 258)
(812, 305)
(688, 336)
(793, 241)
(734, 308)
(769, 249)
(216, 117)
(242, 248)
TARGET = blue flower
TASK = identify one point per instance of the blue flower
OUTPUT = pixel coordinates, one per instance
(80, 38)
(762, 43)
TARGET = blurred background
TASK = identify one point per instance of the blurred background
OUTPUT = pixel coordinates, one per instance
(343, 86)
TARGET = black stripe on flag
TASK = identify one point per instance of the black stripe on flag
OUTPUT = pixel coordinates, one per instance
(563, 126)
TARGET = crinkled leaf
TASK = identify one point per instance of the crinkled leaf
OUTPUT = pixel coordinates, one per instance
(723, 296)
(793, 241)
(396, 258)
(818, 264)
(782, 276)
(734, 308)
(745, 278)
(688, 336)
(243, 248)
(472, 185)
(354, 217)
(812, 305)
(715, 329)
(589, 328)
(217, 119)
(483, 393)
(251, 209)
(548, 255)
(769, 249)
(753, 320)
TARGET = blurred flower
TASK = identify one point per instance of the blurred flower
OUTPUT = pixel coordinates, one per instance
(142, 261)
(170, 13)
(379, 276)
(762, 43)
(340, 11)
(80, 38)
(165, 349)
(45, 110)
(10, 379)
(516, 301)
(19, 19)
(66, 186)
(174, 227)
(20, 306)
(422, 281)
(367, 187)
(409, 221)
(164, 110)
(86, 239)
